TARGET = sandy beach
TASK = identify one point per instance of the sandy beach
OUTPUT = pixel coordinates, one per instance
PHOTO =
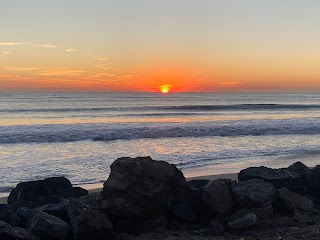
(98, 187)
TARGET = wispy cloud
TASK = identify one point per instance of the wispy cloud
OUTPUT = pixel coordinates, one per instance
(228, 84)
(25, 68)
(12, 43)
(100, 75)
(70, 50)
(47, 46)
(60, 72)
(102, 66)
(5, 52)
(128, 76)
(100, 58)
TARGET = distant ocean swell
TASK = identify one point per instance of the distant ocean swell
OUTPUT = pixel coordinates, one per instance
(234, 107)
(127, 131)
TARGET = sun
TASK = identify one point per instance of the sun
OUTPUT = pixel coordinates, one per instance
(165, 88)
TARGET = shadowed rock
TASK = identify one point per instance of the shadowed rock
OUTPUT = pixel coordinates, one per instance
(243, 222)
(314, 181)
(300, 168)
(141, 188)
(36, 193)
(253, 193)
(49, 227)
(277, 177)
(7, 232)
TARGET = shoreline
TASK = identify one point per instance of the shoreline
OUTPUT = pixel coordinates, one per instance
(92, 188)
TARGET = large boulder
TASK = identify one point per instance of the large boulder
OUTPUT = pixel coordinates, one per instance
(300, 168)
(25, 215)
(291, 202)
(277, 177)
(217, 196)
(25, 234)
(56, 209)
(7, 232)
(88, 223)
(253, 193)
(49, 227)
(314, 181)
(49, 190)
(141, 188)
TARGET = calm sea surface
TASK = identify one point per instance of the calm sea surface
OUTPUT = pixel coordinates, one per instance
(78, 135)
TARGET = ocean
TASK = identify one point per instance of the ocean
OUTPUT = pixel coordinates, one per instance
(79, 135)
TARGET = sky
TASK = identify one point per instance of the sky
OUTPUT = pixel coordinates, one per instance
(149, 45)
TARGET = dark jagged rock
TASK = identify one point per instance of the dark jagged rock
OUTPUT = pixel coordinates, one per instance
(56, 209)
(218, 197)
(314, 181)
(25, 234)
(138, 227)
(40, 201)
(300, 168)
(243, 222)
(49, 227)
(5, 211)
(14, 220)
(88, 223)
(291, 202)
(277, 177)
(141, 188)
(7, 232)
(89, 200)
(27, 193)
(25, 215)
(253, 193)
(197, 183)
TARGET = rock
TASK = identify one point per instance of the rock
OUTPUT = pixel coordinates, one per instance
(302, 217)
(33, 190)
(199, 206)
(184, 212)
(141, 188)
(56, 209)
(123, 236)
(300, 168)
(197, 183)
(14, 220)
(7, 232)
(89, 200)
(25, 215)
(291, 202)
(88, 223)
(217, 196)
(25, 234)
(277, 177)
(40, 201)
(313, 182)
(243, 222)
(48, 226)
(252, 193)
(262, 212)
(92, 225)
(5, 211)
(139, 227)
(216, 228)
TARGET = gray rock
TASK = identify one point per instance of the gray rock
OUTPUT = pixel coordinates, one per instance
(252, 193)
(56, 209)
(243, 222)
(48, 226)
(300, 168)
(277, 177)
(25, 234)
(7, 232)
(88, 223)
(28, 192)
(141, 188)
(313, 183)
(14, 220)
(197, 183)
(291, 202)
(25, 215)
(5, 211)
(217, 196)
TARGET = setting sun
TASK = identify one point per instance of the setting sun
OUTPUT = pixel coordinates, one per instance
(165, 88)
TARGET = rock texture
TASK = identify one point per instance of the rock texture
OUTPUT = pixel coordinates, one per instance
(141, 188)
(253, 193)
(277, 177)
(37, 193)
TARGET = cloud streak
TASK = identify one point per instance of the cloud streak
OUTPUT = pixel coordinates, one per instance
(47, 46)
(12, 43)
(70, 50)
(100, 58)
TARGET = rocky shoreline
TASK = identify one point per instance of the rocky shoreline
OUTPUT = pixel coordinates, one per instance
(146, 199)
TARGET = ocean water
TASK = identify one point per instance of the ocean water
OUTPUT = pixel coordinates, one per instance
(79, 135)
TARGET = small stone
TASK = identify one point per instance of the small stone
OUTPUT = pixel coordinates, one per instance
(244, 222)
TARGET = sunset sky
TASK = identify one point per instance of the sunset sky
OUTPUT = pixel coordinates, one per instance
(146, 45)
